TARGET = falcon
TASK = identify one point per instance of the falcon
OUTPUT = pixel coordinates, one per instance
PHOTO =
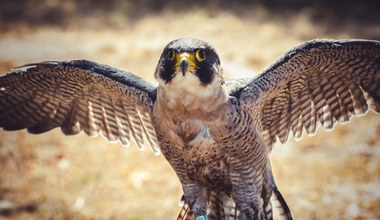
(216, 133)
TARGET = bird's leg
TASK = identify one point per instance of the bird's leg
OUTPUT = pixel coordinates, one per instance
(195, 197)
(248, 202)
(246, 192)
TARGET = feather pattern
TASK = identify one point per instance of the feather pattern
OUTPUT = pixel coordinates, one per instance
(79, 96)
(319, 83)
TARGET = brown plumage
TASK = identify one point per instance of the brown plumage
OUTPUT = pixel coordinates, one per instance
(215, 133)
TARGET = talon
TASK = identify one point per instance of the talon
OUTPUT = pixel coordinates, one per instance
(202, 217)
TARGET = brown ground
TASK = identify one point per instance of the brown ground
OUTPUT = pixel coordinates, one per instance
(333, 175)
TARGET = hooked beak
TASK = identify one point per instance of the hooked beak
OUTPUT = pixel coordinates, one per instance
(184, 64)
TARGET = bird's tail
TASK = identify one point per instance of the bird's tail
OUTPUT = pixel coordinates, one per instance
(280, 204)
(185, 213)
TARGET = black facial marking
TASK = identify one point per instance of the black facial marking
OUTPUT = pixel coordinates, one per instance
(205, 69)
(167, 71)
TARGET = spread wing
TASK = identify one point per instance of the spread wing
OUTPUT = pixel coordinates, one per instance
(321, 82)
(78, 96)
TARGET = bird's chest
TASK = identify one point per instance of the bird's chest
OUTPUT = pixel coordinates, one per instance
(193, 147)
(211, 170)
(194, 140)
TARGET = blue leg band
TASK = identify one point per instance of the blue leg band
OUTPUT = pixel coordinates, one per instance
(202, 217)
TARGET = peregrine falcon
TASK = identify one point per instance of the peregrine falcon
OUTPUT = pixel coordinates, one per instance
(216, 133)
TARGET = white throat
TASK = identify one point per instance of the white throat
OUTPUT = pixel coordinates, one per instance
(186, 92)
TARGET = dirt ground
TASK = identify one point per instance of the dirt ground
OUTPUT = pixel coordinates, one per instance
(332, 175)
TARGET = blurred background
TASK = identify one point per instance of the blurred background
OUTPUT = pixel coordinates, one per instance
(332, 175)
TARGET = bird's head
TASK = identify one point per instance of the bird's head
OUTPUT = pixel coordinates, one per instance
(188, 60)
(190, 76)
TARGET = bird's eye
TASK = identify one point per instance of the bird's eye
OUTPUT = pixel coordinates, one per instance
(171, 55)
(200, 55)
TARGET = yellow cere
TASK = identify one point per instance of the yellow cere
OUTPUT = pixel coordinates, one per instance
(190, 59)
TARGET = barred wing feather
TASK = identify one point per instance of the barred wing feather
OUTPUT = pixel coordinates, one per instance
(318, 83)
(78, 96)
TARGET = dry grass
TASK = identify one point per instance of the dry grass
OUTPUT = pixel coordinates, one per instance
(333, 175)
